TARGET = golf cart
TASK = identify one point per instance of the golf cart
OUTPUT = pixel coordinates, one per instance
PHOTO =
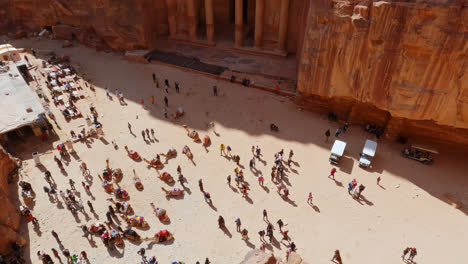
(419, 153)
(337, 151)
(368, 152)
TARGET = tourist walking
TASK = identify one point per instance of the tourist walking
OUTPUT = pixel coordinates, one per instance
(221, 222)
(90, 205)
(238, 224)
(345, 127)
(337, 257)
(258, 152)
(200, 184)
(228, 153)
(309, 198)
(265, 215)
(280, 224)
(327, 135)
(55, 235)
(207, 197)
(291, 153)
(109, 218)
(260, 179)
(130, 128)
(222, 148)
(252, 163)
(359, 191)
(337, 132)
(413, 254)
(166, 101)
(143, 135)
(261, 233)
(405, 251)
(229, 180)
(55, 252)
(378, 180)
(215, 90)
(181, 180)
(332, 173)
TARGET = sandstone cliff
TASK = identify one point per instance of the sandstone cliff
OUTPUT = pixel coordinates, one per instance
(116, 24)
(9, 218)
(397, 59)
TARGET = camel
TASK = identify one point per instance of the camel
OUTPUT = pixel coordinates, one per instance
(173, 192)
(165, 176)
(187, 152)
(161, 236)
(192, 134)
(160, 213)
(135, 221)
(155, 163)
(132, 154)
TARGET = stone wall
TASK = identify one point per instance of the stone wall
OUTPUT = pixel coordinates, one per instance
(10, 217)
(406, 58)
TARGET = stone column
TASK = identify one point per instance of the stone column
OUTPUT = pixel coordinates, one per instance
(192, 19)
(239, 23)
(259, 23)
(171, 17)
(283, 27)
(209, 20)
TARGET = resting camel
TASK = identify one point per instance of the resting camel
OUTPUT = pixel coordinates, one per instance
(187, 152)
(137, 181)
(165, 176)
(206, 141)
(179, 113)
(160, 236)
(135, 221)
(193, 134)
(132, 154)
(160, 213)
(173, 192)
(171, 153)
(155, 163)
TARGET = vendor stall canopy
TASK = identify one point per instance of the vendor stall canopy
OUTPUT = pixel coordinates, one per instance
(20, 106)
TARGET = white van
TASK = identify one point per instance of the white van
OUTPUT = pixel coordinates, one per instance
(337, 151)
(368, 152)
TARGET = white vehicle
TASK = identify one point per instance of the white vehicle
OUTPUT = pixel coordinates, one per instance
(337, 151)
(365, 157)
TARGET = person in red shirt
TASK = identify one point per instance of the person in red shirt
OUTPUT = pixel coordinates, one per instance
(332, 173)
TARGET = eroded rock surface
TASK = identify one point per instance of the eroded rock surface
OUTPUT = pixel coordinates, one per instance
(9, 217)
(407, 58)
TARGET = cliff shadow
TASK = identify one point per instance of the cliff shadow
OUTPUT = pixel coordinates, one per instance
(252, 111)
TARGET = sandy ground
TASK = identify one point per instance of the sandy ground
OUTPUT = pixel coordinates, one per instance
(408, 210)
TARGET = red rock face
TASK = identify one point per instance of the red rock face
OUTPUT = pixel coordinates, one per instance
(117, 24)
(404, 57)
(10, 217)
